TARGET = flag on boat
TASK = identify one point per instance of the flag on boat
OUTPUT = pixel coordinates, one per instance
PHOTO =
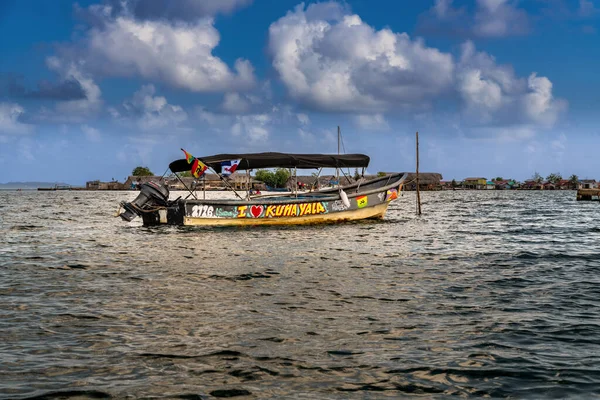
(188, 156)
(198, 168)
(229, 167)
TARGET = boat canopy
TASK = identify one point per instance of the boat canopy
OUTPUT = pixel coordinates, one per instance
(278, 160)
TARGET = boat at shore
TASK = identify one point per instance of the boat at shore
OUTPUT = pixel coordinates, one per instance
(357, 201)
(56, 187)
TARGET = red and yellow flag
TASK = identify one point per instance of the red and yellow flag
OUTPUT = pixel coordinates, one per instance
(188, 156)
(198, 168)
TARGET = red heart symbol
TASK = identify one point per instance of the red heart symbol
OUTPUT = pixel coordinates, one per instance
(256, 211)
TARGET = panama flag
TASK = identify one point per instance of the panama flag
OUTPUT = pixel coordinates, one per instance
(229, 167)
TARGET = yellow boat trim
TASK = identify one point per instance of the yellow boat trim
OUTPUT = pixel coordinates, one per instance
(377, 211)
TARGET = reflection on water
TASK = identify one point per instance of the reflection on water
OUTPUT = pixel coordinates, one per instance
(488, 293)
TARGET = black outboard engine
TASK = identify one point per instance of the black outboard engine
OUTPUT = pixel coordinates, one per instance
(152, 194)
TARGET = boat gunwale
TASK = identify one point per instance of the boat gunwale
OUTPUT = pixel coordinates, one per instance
(335, 195)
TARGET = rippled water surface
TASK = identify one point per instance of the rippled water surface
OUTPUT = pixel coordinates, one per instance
(487, 294)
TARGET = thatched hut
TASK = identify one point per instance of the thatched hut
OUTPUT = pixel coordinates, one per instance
(427, 181)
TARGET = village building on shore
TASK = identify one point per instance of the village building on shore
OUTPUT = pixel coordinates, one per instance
(428, 181)
(510, 184)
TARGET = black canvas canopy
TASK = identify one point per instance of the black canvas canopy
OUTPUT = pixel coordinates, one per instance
(278, 160)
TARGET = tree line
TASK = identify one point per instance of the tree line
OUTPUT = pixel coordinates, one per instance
(277, 178)
(554, 178)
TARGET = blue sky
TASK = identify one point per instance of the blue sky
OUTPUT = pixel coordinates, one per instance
(89, 90)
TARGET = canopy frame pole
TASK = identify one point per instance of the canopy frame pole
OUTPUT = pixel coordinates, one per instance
(185, 186)
(204, 186)
(296, 181)
(248, 184)
(228, 185)
(225, 181)
(360, 181)
(316, 178)
(345, 176)
(341, 139)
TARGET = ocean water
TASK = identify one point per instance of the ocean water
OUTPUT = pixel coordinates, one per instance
(491, 294)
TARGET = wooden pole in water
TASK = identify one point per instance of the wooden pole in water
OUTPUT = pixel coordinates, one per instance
(418, 191)
(337, 171)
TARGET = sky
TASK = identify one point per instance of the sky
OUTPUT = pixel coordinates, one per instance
(496, 88)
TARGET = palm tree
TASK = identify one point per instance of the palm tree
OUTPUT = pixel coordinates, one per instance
(574, 180)
(554, 177)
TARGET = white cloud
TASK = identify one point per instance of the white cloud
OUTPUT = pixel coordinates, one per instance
(559, 144)
(10, 114)
(306, 135)
(79, 109)
(303, 119)
(26, 149)
(505, 134)
(330, 60)
(250, 129)
(492, 18)
(441, 8)
(92, 134)
(177, 53)
(333, 61)
(206, 116)
(499, 18)
(185, 10)
(588, 30)
(478, 91)
(141, 148)
(324, 139)
(587, 8)
(234, 103)
(539, 102)
(374, 122)
(150, 112)
(254, 127)
(493, 93)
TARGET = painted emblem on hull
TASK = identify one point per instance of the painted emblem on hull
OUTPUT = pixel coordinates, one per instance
(362, 201)
(282, 210)
(202, 211)
(338, 205)
(392, 194)
(256, 211)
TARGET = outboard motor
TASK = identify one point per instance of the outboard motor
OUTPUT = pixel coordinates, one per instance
(151, 194)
